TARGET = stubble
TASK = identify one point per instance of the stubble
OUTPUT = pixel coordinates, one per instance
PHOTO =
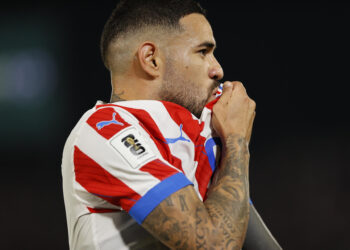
(184, 92)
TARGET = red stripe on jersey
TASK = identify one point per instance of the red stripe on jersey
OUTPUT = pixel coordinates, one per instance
(99, 211)
(203, 172)
(180, 115)
(107, 122)
(96, 180)
(211, 104)
(146, 121)
(159, 169)
(193, 129)
(106, 105)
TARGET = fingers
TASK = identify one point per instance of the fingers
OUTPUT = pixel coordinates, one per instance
(229, 87)
(226, 92)
(239, 88)
(234, 112)
(251, 106)
(249, 133)
(239, 91)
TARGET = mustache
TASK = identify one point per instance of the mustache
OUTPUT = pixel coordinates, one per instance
(214, 85)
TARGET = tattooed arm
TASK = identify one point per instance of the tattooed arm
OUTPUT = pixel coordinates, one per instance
(183, 221)
(228, 198)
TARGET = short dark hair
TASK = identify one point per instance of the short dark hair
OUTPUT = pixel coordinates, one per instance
(133, 15)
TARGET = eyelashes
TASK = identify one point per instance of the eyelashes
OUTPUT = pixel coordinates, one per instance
(203, 51)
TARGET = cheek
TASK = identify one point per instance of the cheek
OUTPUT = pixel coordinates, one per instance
(196, 68)
(193, 68)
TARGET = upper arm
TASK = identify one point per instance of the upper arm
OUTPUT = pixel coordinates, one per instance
(132, 175)
(117, 166)
(181, 221)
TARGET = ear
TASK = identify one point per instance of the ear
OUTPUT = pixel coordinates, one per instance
(149, 58)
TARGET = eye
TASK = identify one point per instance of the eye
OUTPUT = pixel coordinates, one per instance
(203, 51)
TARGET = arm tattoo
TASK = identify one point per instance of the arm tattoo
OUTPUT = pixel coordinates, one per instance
(183, 203)
(182, 221)
(117, 97)
(169, 202)
(228, 198)
(174, 231)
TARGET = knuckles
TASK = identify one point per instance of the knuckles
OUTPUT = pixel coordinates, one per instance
(253, 104)
(237, 83)
(241, 94)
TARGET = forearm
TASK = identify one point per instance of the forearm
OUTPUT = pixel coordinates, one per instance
(228, 198)
(182, 221)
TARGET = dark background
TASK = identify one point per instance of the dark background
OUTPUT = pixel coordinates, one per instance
(292, 57)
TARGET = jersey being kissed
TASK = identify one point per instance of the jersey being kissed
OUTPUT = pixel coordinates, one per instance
(122, 159)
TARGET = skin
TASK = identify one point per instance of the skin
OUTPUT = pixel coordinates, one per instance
(183, 221)
(193, 66)
(183, 69)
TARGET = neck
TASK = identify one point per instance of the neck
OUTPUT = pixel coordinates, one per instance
(132, 88)
(117, 97)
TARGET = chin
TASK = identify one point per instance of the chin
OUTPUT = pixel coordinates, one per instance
(198, 109)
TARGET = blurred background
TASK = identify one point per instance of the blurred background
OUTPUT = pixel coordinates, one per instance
(292, 57)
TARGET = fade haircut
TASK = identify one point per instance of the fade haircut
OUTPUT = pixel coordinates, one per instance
(134, 17)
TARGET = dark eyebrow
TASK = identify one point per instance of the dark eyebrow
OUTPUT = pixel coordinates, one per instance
(207, 44)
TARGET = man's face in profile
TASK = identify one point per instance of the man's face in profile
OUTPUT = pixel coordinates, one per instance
(191, 70)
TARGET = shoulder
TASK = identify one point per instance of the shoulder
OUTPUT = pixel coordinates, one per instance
(109, 119)
(114, 128)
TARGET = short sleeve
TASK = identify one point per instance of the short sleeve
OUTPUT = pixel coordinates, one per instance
(117, 161)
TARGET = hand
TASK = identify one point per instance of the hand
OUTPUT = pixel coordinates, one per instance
(234, 113)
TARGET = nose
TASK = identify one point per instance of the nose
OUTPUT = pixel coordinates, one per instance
(216, 72)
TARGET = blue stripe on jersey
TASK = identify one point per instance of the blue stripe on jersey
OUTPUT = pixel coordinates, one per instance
(209, 149)
(156, 195)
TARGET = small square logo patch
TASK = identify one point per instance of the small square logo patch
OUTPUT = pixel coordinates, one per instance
(133, 147)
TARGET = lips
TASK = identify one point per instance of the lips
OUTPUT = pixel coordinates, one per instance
(213, 95)
(214, 91)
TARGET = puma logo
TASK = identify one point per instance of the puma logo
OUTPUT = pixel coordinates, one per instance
(180, 138)
(102, 124)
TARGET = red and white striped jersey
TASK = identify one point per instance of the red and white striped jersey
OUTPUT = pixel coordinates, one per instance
(122, 159)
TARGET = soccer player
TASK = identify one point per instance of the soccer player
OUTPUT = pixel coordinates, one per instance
(145, 171)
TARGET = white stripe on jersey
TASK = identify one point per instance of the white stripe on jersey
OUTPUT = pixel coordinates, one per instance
(107, 158)
(135, 123)
(169, 129)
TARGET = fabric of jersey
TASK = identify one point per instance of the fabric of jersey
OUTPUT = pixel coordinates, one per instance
(122, 159)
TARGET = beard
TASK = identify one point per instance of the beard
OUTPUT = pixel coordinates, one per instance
(184, 92)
